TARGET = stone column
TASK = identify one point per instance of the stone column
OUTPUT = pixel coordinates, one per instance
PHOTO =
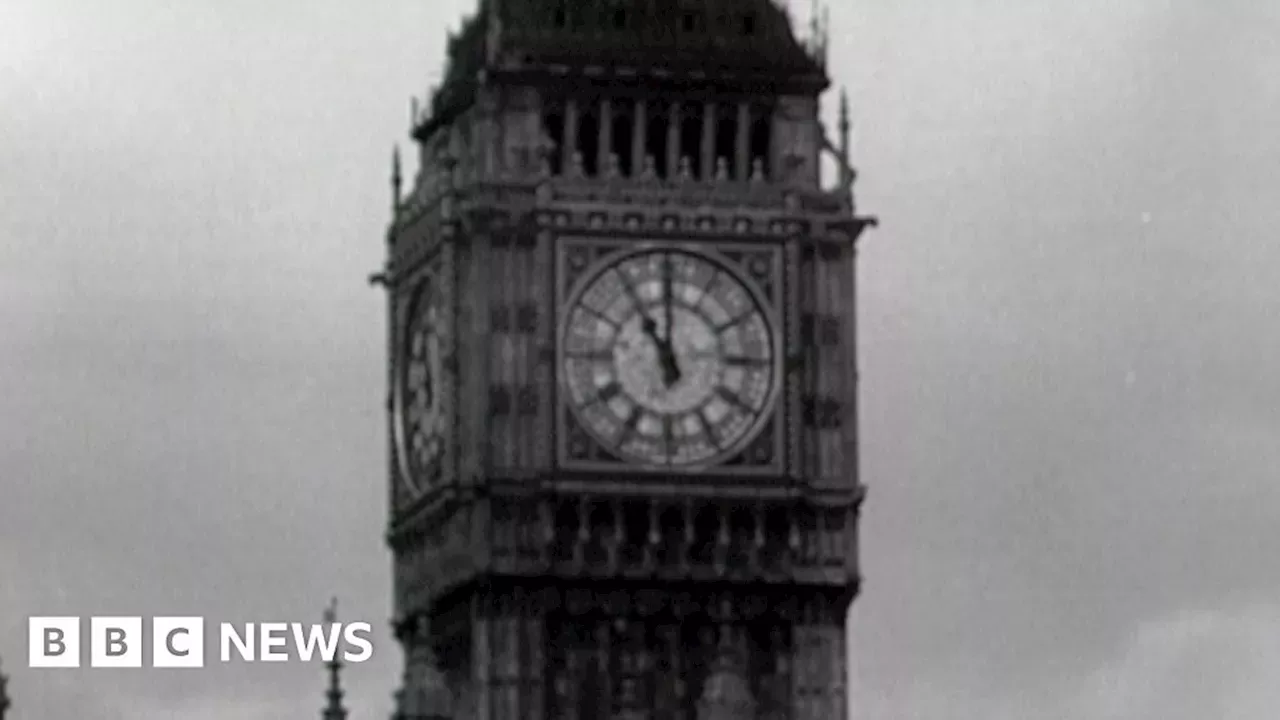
(639, 136)
(604, 152)
(708, 141)
(742, 161)
(673, 140)
(569, 147)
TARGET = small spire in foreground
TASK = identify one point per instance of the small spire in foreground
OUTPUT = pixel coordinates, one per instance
(334, 709)
(4, 695)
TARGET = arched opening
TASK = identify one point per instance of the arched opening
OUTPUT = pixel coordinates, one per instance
(761, 141)
(624, 122)
(727, 139)
(691, 138)
(655, 137)
(553, 120)
(588, 140)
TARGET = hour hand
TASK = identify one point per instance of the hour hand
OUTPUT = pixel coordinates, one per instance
(666, 356)
(650, 329)
(670, 369)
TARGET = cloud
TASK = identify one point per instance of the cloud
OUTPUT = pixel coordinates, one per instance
(1190, 666)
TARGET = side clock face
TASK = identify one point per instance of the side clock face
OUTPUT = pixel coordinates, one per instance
(669, 358)
(420, 390)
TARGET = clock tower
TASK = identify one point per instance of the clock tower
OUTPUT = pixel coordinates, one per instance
(623, 430)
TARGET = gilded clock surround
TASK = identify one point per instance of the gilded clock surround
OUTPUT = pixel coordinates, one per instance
(703, 399)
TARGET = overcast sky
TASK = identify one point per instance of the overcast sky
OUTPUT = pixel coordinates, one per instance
(1070, 326)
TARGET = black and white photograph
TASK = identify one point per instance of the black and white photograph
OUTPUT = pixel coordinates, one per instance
(639, 360)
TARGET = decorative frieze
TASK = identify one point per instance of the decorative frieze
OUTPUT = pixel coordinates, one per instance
(618, 537)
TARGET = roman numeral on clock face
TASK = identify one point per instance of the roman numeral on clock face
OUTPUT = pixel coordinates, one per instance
(668, 357)
(419, 392)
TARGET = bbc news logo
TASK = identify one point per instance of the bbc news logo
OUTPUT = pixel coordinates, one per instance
(179, 642)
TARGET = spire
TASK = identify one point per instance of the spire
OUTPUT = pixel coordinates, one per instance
(847, 173)
(844, 124)
(334, 709)
(4, 695)
(396, 180)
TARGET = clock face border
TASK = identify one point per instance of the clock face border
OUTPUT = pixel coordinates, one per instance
(411, 483)
(760, 451)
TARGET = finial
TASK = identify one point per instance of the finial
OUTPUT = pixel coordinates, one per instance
(845, 124)
(846, 159)
(650, 171)
(396, 179)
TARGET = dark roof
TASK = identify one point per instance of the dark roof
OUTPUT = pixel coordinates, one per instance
(749, 35)
(707, 37)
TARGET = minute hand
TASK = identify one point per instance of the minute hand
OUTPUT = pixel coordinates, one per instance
(671, 369)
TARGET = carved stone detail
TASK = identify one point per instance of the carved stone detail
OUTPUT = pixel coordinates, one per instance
(425, 694)
(774, 541)
(726, 694)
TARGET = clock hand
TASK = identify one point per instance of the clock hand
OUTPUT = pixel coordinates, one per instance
(667, 295)
(650, 328)
(666, 358)
(671, 370)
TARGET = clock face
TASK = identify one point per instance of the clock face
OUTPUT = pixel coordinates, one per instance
(421, 394)
(669, 358)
